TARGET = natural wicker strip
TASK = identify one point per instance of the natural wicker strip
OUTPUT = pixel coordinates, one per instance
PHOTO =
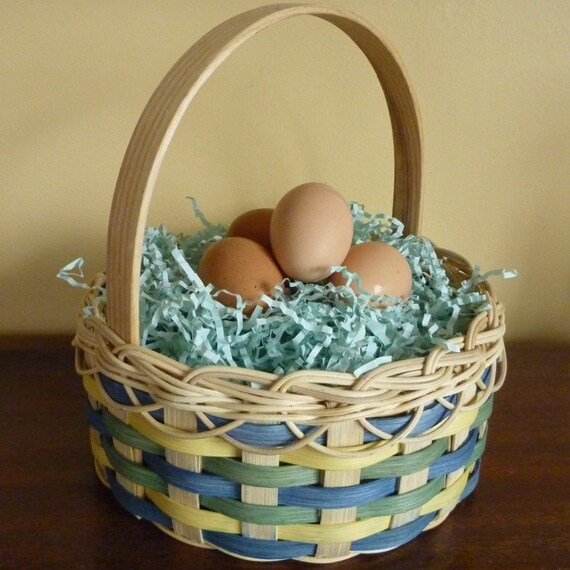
(388, 390)
(280, 434)
(259, 497)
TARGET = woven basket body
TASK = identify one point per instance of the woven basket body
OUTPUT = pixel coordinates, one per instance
(314, 465)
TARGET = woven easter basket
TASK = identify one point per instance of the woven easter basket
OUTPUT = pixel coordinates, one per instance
(313, 465)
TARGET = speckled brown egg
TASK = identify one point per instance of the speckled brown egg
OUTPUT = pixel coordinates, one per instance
(311, 230)
(240, 266)
(254, 225)
(382, 269)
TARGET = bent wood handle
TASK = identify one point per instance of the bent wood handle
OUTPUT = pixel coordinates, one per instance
(164, 111)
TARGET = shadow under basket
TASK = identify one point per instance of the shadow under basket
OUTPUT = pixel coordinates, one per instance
(314, 465)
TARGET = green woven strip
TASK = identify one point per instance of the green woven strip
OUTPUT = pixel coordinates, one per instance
(134, 472)
(395, 504)
(484, 413)
(128, 435)
(477, 451)
(261, 476)
(401, 465)
(293, 476)
(282, 515)
(260, 514)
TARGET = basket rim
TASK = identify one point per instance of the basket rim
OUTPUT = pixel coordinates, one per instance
(309, 397)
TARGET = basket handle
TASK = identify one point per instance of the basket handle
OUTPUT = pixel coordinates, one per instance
(164, 111)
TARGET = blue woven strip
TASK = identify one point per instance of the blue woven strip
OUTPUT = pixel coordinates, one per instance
(453, 460)
(116, 391)
(200, 483)
(282, 550)
(135, 505)
(257, 548)
(276, 435)
(279, 434)
(319, 497)
(95, 419)
(271, 435)
(394, 537)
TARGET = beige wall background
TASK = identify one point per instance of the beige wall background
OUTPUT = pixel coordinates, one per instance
(297, 103)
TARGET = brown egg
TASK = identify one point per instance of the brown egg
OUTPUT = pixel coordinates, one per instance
(382, 269)
(253, 225)
(241, 266)
(311, 229)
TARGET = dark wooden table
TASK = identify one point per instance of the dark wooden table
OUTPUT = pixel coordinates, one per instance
(54, 513)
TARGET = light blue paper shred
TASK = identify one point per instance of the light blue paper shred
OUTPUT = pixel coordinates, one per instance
(302, 325)
(72, 272)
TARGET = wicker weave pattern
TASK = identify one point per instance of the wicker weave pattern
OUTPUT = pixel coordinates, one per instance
(314, 397)
(220, 516)
(313, 465)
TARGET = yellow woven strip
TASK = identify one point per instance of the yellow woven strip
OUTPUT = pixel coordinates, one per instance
(92, 389)
(333, 533)
(197, 518)
(463, 421)
(315, 459)
(308, 533)
(98, 452)
(447, 496)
